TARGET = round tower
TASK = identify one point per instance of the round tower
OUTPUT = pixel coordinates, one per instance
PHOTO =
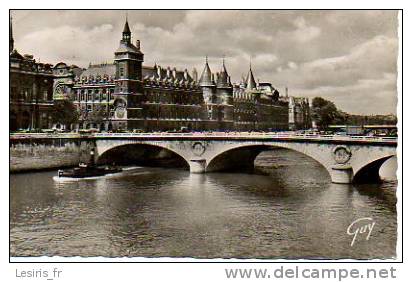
(206, 82)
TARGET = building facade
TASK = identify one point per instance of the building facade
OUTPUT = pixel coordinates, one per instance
(299, 112)
(258, 107)
(31, 91)
(127, 95)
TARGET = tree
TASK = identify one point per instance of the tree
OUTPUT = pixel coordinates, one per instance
(64, 112)
(97, 116)
(324, 112)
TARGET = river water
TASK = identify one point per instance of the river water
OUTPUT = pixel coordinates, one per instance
(286, 209)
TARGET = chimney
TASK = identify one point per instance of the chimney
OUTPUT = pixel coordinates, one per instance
(194, 74)
(159, 71)
(286, 91)
(138, 44)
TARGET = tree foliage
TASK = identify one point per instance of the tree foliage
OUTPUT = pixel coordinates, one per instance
(97, 115)
(324, 112)
(64, 112)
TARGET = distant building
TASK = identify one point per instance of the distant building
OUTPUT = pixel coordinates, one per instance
(299, 116)
(257, 106)
(31, 91)
(299, 113)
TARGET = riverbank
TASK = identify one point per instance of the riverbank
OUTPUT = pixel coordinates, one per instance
(34, 157)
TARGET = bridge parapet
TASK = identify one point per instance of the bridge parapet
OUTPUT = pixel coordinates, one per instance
(211, 136)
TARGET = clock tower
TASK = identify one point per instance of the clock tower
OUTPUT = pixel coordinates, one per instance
(128, 91)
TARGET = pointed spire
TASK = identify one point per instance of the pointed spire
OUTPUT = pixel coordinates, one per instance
(126, 28)
(126, 34)
(223, 65)
(206, 77)
(250, 81)
(223, 78)
(11, 41)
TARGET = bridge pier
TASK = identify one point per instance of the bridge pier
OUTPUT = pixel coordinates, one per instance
(197, 166)
(341, 174)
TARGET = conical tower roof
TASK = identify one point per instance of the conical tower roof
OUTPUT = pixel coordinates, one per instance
(223, 79)
(126, 28)
(206, 77)
(250, 80)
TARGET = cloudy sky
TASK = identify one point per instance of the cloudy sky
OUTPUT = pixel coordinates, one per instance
(348, 57)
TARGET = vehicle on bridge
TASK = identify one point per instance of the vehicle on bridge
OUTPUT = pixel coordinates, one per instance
(368, 130)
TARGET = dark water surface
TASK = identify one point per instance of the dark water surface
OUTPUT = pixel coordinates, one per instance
(287, 210)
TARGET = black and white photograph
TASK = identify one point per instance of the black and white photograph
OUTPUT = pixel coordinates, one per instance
(204, 135)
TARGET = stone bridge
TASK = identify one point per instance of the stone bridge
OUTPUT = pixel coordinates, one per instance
(346, 158)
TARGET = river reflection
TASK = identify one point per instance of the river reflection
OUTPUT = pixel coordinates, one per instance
(287, 209)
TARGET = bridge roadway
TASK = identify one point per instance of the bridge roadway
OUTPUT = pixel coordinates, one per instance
(346, 158)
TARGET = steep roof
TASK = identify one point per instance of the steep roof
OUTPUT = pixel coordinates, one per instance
(206, 77)
(223, 80)
(99, 70)
(147, 72)
(16, 55)
(126, 28)
(250, 80)
(127, 47)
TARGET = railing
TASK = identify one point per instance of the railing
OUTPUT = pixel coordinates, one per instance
(210, 135)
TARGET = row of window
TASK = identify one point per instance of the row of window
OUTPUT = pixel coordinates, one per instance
(26, 94)
(94, 97)
(95, 91)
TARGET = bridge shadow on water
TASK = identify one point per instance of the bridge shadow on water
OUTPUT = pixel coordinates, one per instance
(143, 155)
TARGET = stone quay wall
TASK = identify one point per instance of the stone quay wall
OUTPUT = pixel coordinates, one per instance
(41, 154)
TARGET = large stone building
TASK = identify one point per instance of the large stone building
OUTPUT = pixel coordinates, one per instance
(31, 91)
(258, 107)
(127, 95)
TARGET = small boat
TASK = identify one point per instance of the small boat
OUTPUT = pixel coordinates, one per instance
(84, 171)
(87, 170)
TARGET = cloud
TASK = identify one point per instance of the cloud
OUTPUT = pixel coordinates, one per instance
(338, 54)
(368, 96)
(305, 33)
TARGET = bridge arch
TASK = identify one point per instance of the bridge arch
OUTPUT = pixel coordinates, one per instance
(369, 172)
(363, 165)
(142, 153)
(243, 156)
